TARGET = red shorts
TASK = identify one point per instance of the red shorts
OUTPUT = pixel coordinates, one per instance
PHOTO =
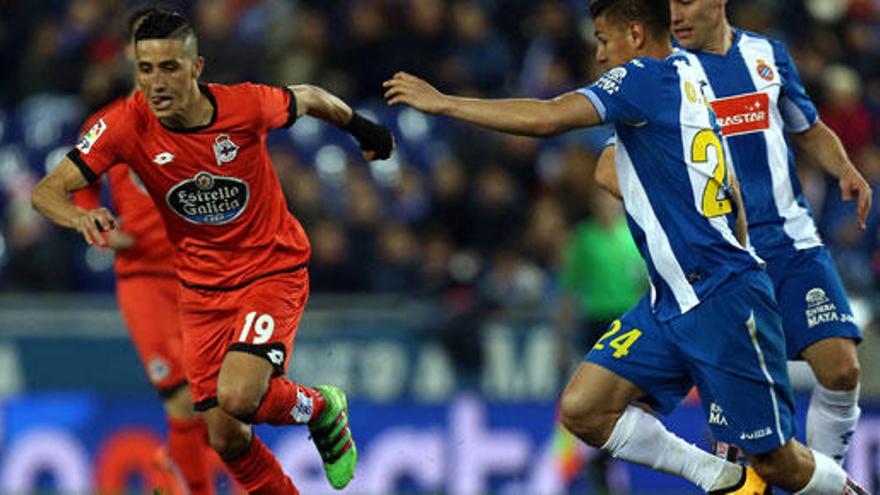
(260, 318)
(149, 308)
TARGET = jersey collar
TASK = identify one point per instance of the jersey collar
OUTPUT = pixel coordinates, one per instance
(188, 130)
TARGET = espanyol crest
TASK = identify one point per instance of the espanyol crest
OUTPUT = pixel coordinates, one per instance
(224, 149)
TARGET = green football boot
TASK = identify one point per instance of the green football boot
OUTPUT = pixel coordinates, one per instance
(332, 435)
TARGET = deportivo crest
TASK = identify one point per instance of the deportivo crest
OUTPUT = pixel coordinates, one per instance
(224, 149)
(765, 71)
(158, 369)
(209, 199)
(90, 138)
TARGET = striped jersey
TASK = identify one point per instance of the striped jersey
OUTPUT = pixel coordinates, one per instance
(673, 177)
(758, 96)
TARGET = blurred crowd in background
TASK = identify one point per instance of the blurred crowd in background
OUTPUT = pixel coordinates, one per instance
(475, 219)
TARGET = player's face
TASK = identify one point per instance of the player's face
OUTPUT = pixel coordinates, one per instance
(694, 22)
(615, 46)
(167, 76)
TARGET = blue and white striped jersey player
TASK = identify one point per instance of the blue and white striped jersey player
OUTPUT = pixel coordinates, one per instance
(711, 319)
(758, 98)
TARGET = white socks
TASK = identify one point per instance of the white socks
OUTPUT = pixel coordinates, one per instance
(831, 421)
(827, 478)
(641, 438)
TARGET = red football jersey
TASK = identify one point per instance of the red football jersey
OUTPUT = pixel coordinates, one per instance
(214, 185)
(151, 253)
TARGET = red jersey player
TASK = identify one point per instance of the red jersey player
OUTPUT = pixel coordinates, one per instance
(239, 254)
(146, 290)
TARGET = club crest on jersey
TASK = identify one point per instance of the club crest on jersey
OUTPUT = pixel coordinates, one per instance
(208, 199)
(610, 81)
(90, 138)
(765, 71)
(224, 149)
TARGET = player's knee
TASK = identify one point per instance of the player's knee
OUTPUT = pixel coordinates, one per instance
(229, 444)
(577, 415)
(237, 400)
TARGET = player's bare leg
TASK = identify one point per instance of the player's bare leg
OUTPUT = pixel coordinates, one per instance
(245, 456)
(596, 406)
(834, 406)
(247, 390)
(801, 471)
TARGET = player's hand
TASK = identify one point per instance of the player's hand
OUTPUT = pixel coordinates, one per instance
(376, 140)
(854, 186)
(410, 90)
(92, 223)
(118, 240)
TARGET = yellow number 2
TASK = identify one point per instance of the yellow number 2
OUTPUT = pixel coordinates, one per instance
(712, 206)
(620, 344)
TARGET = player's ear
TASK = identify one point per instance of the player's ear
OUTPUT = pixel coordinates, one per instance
(636, 35)
(198, 66)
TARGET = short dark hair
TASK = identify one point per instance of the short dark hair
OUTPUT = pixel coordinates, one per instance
(654, 14)
(164, 24)
(137, 16)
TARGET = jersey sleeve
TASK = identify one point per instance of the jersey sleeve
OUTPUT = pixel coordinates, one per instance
(611, 141)
(619, 95)
(277, 106)
(795, 105)
(103, 144)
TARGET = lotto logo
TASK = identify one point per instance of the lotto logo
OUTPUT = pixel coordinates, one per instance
(163, 158)
(276, 357)
(743, 114)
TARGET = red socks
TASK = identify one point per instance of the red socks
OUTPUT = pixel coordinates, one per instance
(287, 403)
(258, 472)
(188, 448)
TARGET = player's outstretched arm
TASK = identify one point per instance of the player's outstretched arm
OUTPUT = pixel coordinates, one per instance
(825, 147)
(49, 197)
(527, 117)
(376, 140)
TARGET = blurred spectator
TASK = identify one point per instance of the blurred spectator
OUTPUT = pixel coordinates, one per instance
(602, 274)
(396, 268)
(301, 186)
(843, 110)
(557, 58)
(228, 61)
(495, 214)
(331, 267)
(480, 58)
(366, 59)
(448, 209)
